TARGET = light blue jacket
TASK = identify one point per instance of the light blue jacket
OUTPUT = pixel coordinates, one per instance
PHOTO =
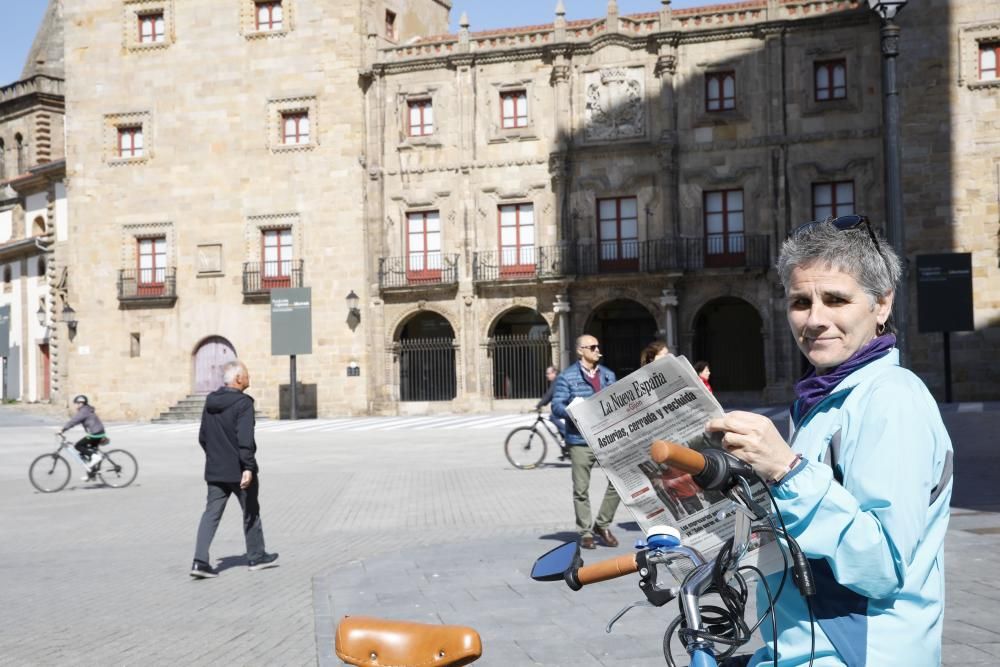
(876, 544)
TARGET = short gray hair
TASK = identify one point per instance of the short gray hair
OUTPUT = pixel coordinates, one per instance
(877, 270)
(230, 370)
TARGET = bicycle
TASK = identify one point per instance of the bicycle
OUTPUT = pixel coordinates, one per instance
(368, 642)
(51, 472)
(526, 446)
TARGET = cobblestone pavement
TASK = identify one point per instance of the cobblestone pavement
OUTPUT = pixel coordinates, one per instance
(96, 576)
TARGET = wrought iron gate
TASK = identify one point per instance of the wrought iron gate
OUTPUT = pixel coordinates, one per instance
(427, 369)
(519, 363)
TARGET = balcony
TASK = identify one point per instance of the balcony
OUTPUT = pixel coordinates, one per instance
(415, 271)
(147, 288)
(259, 278)
(528, 263)
(737, 251)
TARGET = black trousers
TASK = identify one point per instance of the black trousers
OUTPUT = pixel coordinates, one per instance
(215, 505)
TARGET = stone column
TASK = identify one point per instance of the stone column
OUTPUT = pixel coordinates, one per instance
(562, 309)
(668, 301)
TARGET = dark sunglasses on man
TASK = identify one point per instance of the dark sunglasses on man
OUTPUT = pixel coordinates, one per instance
(592, 348)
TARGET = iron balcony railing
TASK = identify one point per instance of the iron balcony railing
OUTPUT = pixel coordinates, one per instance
(523, 263)
(651, 256)
(262, 277)
(418, 270)
(147, 284)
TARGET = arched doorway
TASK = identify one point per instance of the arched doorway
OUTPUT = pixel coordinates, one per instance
(623, 327)
(728, 336)
(212, 354)
(427, 359)
(521, 352)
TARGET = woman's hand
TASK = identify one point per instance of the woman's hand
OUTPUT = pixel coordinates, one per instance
(754, 439)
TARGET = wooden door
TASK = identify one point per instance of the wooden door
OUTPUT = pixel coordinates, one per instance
(209, 359)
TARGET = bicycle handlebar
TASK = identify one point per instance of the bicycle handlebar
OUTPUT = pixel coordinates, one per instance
(612, 568)
(683, 458)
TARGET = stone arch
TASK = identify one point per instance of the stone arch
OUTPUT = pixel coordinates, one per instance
(427, 349)
(406, 317)
(520, 348)
(208, 357)
(729, 335)
(634, 328)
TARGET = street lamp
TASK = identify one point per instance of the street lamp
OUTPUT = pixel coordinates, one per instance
(352, 306)
(40, 314)
(69, 317)
(887, 10)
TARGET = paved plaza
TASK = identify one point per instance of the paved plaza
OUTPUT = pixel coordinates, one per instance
(407, 518)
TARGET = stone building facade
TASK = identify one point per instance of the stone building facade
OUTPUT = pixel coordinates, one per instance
(33, 217)
(491, 195)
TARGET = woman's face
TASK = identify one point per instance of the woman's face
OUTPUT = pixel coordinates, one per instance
(706, 372)
(662, 353)
(830, 315)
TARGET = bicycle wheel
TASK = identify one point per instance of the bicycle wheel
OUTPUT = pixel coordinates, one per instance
(49, 473)
(118, 468)
(525, 447)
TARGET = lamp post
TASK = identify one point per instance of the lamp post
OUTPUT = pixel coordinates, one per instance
(887, 10)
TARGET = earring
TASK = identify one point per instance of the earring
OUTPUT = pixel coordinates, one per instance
(880, 329)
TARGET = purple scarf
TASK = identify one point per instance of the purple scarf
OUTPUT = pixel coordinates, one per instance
(812, 388)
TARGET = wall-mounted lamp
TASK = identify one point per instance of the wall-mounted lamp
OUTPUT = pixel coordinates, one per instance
(40, 314)
(69, 317)
(352, 306)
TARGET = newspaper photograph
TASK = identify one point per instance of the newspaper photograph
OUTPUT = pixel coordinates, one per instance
(666, 400)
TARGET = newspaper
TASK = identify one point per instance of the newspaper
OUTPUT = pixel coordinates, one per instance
(666, 400)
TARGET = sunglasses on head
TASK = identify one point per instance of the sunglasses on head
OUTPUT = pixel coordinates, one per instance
(843, 223)
(592, 348)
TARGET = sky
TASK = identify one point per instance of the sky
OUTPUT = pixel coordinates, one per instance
(22, 17)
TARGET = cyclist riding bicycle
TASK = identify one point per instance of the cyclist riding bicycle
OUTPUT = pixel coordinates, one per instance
(88, 444)
(551, 374)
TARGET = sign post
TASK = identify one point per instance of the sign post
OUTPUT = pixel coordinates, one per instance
(944, 300)
(4, 345)
(291, 331)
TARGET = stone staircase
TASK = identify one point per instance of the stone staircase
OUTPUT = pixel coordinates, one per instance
(187, 409)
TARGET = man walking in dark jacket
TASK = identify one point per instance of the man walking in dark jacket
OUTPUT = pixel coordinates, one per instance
(582, 380)
(227, 426)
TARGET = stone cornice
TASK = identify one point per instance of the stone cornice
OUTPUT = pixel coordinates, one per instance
(464, 167)
(707, 24)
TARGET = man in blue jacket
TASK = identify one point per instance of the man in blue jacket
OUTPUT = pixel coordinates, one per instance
(581, 380)
(226, 435)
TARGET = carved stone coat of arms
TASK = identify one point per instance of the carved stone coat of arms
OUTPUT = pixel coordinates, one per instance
(615, 106)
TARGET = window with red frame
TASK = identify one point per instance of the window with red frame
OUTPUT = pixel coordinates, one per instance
(724, 241)
(720, 91)
(269, 16)
(130, 141)
(423, 246)
(295, 128)
(618, 234)
(277, 258)
(514, 109)
(833, 199)
(989, 54)
(390, 25)
(830, 79)
(517, 240)
(151, 28)
(421, 120)
(152, 265)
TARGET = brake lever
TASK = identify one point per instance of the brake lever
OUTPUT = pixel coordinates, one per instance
(625, 610)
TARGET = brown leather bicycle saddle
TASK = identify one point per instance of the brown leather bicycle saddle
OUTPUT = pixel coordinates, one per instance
(376, 642)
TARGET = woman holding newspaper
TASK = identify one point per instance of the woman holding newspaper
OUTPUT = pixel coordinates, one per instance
(864, 486)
